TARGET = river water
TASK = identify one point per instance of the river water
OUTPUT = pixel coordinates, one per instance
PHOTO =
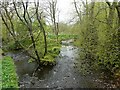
(64, 74)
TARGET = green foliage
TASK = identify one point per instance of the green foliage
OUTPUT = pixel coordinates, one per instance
(23, 37)
(98, 39)
(49, 58)
(63, 36)
(64, 28)
(9, 77)
(31, 60)
(53, 50)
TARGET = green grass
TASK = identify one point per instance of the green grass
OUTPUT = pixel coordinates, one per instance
(63, 37)
(9, 76)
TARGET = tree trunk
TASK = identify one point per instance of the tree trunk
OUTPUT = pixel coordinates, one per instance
(118, 12)
(34, 45)
(77, 11)
(41, 27)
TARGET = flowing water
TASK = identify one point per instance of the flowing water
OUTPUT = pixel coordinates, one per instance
(63, 75)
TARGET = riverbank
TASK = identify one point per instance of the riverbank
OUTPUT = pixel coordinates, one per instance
(66, 73)
(9, 76)
(90, 62)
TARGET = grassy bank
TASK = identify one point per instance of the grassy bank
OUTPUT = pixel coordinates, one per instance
(9, 76)
(53, 47)
(63, 37)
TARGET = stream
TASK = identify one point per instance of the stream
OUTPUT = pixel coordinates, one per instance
(63, 75)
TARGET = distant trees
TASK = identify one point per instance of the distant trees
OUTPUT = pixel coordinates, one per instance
(7, 17)
(78, 10)
(53, 15)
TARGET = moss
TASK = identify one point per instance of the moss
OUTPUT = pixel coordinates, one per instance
(49, 58)
(9, 76)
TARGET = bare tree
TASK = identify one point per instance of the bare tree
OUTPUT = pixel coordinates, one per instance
(41, 25)
(7, 20)
(81, 8)
(52, 12)
(77, 10)
(28, 23)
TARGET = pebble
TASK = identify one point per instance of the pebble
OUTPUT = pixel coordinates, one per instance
(22, 86)
(54, 72)
(53, 83)
(68, 76)
(57, 81)
(41, 80)
(74, 78)
(47, 86)
(39, 69)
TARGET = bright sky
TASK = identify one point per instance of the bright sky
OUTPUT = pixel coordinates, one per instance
(66, 10)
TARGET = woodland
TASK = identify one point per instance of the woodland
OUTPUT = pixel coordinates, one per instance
(31, 33)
